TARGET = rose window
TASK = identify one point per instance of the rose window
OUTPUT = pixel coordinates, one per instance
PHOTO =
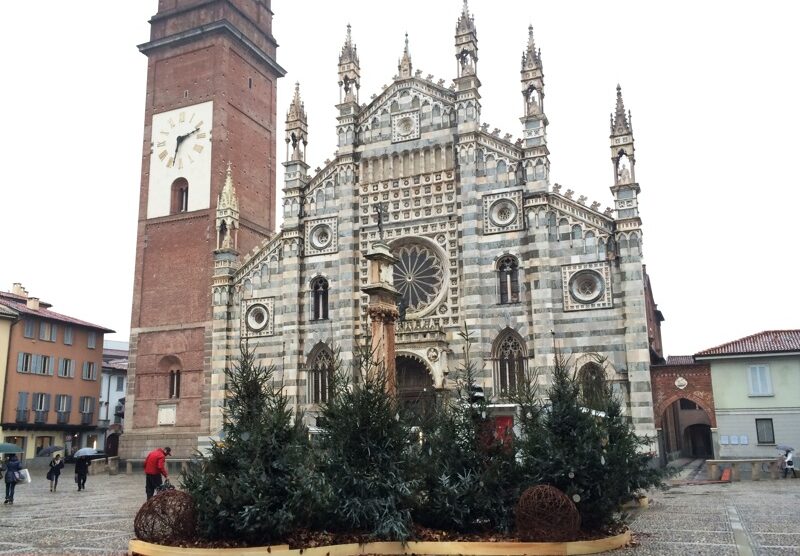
(418, 275)
(586, 286)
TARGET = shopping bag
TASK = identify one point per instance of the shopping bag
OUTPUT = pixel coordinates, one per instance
(24, 476)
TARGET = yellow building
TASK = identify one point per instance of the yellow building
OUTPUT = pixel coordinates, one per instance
(7, 318)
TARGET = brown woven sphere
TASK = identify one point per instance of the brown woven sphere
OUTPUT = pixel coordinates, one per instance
(544, 513)
(167, 518)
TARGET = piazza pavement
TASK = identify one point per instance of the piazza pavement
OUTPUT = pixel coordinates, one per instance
(743, 518)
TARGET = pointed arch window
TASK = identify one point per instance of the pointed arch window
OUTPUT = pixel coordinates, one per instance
(508, 279)
(320, 374)
(319, 287)
(510, 360)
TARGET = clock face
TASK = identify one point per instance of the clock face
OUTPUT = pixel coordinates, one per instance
(181, 154)
(181, 139)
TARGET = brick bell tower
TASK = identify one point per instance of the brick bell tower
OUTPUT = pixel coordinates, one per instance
(211, 93)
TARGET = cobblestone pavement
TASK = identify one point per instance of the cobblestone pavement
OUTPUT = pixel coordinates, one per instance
(740, 519)
(97, 521)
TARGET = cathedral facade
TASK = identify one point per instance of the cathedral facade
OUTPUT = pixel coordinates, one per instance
(483, 239)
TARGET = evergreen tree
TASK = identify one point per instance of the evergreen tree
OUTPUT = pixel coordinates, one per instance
(593, 456)
(468, 475)
(364, 456)
(249, 487)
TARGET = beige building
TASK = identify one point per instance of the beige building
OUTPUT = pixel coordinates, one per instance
(7, 318)
(52, 379)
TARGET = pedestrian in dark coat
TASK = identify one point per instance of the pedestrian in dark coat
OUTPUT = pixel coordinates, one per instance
(12, 468)
(82, 471)
(56, 465)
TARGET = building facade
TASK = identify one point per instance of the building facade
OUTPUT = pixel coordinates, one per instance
(52, 383)
(482, 236)
(756, 383)
(113, 384)
(211, 87)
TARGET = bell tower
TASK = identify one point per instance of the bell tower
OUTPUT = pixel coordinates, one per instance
(210, 101)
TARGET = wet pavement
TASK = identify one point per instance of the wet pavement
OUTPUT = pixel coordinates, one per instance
(742, 519)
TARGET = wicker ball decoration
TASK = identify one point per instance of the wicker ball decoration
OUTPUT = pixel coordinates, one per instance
(544, 513)
(167, 518)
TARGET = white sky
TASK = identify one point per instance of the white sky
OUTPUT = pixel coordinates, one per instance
(712, 87)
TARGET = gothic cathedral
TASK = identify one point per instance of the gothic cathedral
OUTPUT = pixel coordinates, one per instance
(481, 236)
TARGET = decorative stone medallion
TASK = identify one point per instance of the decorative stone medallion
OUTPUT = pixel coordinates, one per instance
(258, 317)
(405, 126)
(501, 212)
(433, 355)
(586, 286)
(681, 383)
(320, 237)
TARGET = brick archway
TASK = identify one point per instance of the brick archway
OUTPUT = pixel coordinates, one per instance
(697, 388)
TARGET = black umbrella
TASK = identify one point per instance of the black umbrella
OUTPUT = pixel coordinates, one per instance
(784, 448)
(48, 450)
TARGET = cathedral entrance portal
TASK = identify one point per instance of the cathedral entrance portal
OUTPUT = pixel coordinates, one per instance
(415, 390)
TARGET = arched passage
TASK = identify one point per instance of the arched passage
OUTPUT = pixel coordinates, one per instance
(685, 429)
(414, 384)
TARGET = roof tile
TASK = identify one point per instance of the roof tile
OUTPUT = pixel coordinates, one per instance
(769, 341)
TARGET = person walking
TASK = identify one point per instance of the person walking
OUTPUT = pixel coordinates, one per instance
(154, 467)
(56, 465)
(82, 471)
(13, 467)
(789, 464)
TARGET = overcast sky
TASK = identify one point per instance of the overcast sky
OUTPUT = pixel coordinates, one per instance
(712, 87)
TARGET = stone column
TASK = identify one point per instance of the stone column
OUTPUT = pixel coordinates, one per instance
(382, 310)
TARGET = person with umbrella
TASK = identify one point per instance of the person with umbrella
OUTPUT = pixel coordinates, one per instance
(56, 465)
(82, 464)
(12, 468)
(789, 464)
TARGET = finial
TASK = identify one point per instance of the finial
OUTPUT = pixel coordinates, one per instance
(348, 40)
(405, 62)
(406, 42)
(620, 123)
(531, 56)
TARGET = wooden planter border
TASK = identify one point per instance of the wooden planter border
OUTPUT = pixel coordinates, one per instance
(142, 548)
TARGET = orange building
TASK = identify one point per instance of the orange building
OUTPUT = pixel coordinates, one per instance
(52, 381)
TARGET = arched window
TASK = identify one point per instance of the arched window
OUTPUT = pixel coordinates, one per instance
(320, 373)
(563, 230)
(509, 356)
(171, 366)
(552, 229)
(592, 383)
(590, 244)
(179, 201)
(508, 279)
(319, 287)
(577, 232)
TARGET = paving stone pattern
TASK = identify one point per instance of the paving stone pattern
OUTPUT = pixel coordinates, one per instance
(739, 519)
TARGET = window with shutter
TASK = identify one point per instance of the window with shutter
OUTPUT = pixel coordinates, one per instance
(30, 328)
(67, 335)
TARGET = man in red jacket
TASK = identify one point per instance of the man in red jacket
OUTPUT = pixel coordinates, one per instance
(154, 468)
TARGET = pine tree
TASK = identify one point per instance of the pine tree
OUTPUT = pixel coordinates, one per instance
(593, 456)
(247, 487)
(364, 456)
(468, 475)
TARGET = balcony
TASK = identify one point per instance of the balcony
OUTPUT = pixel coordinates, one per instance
(62, 417)
(40, 417)
(86, 418)
(102, 423)
(22, 416)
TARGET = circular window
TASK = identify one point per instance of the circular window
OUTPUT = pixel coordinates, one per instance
(257, 318)
(586, 286)
(502, 212)
(418, 275)
(321, 236)
(405, 126)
